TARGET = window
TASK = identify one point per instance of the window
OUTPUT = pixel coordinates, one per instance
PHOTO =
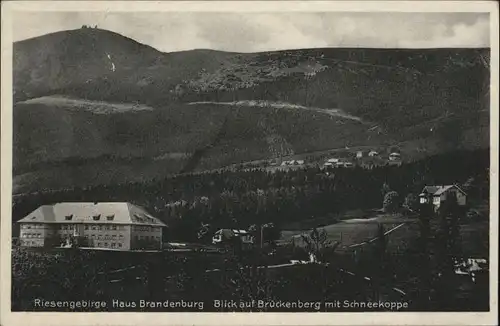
(86, 227)
(94, 227)
(119, 244)
(110, 217)
(97, 217)
(28, 226)
(93, 236)
(112, 244)
(113, 227)
(105, 244)
(68, 217)
(114, 236)
(121, 236)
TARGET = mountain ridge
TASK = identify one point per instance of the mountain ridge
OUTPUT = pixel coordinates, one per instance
(403, 95)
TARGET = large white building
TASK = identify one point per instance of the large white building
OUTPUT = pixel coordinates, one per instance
(117, 225)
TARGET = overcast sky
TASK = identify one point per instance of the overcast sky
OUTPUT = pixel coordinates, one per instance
(248, 32)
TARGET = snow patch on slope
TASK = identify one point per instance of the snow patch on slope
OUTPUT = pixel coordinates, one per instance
(283, 105)
(96, 107)
(113, 67)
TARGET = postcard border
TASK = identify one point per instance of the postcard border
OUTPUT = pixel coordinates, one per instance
(399, 318)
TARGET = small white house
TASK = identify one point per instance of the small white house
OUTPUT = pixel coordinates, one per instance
(394, 156)
(438, 194)
(373, 153)
(227, 234)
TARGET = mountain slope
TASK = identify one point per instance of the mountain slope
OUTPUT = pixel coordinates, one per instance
(98, 63)
(91, 100)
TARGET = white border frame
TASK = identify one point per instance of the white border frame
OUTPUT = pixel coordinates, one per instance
(8, 318)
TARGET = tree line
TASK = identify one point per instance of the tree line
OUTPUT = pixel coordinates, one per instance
(242, 198)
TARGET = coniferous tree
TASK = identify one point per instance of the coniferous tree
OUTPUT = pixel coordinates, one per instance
(447, 252)
(423, 255)
(391, 202)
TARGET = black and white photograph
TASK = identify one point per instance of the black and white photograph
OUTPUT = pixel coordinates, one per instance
(266, 161)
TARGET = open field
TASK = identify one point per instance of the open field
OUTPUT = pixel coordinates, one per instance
(400, 233)
(352, 233)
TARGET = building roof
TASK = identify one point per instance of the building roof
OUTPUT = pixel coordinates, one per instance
(97, 213)
(228, 233)
(438, 190)
(430, 189)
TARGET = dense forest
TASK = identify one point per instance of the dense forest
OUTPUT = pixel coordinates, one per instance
(244, 198)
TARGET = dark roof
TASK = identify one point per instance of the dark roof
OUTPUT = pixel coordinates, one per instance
(86, 212)
(438, 190)
(430, 189)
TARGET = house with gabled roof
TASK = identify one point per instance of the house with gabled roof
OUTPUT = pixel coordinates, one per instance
(438, 194)
(112, 225)
(228, 234)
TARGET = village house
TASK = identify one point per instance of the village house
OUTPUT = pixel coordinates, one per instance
(338, 163)
(116, 225)
(437, 194)
(394, 156)
(332, 160)
(292, 162)
(228, 234)
(372, 162)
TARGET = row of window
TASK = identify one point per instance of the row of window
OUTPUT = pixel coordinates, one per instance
(32, 226)
(94, 217)
(31, 243)
(113, 237)
(147, 237)
(31, 235)
(109, 244)
(94, 227)
(105, 236)
(145, 228)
